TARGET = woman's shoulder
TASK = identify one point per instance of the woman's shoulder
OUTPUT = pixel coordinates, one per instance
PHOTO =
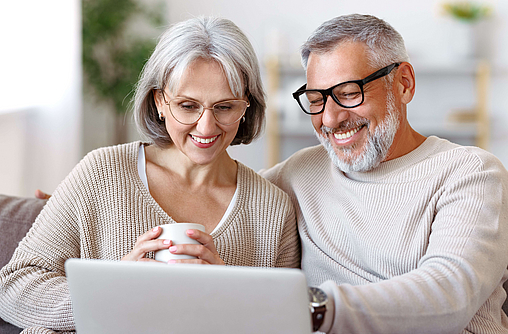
(104, 161)
(115, 152)
(111, 157)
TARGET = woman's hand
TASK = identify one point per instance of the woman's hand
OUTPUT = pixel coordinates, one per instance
(145, 243)
(206, 253)
(41, 194)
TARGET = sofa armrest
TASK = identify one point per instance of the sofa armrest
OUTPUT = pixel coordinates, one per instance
(17, 215)
(505, 305)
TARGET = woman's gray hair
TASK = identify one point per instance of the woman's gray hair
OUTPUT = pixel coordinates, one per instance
(200, 38)
(384, 44)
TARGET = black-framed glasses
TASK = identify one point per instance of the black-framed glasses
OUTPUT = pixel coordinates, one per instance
(347, 94)
(186, 111)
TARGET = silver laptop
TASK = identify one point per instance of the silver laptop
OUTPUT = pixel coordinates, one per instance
(130, 297)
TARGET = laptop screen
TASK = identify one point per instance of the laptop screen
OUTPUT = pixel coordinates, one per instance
(135, 297)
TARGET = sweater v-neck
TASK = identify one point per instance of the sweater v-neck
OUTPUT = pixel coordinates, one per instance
(142, 184)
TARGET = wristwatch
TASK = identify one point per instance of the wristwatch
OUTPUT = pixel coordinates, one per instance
(318, 300)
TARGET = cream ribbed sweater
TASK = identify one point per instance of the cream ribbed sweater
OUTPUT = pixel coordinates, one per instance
(417, 245)
(100, 209)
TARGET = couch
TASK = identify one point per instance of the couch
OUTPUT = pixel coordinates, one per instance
(16, 217)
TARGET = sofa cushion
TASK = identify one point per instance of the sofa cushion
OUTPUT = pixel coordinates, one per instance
(16, 217)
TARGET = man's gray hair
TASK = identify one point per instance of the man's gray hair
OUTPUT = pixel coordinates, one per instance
(200, 38)
(384, 44)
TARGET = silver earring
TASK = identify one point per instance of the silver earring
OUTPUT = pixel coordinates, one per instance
(161, 117)
(243, 119)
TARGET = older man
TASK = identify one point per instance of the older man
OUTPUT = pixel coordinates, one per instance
(404, 234)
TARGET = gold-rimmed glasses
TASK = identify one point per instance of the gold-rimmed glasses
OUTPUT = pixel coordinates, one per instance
(187, 111)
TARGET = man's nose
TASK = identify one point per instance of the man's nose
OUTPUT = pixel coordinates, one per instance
(334, 114)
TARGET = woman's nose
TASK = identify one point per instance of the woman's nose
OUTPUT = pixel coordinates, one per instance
(207, 122)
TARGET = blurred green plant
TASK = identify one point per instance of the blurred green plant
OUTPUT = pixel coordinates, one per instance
(467, 11)
(114, 52)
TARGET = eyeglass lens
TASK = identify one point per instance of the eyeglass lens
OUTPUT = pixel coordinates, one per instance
(189, 112)
(349, 94)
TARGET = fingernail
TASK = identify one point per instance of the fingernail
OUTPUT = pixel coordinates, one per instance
(166, 242)
(155, 229)
(172, 249)
(171, 261)
(190, 232)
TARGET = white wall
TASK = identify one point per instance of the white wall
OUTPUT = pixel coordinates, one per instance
(282, 26)
(40, 87)
(40, 73)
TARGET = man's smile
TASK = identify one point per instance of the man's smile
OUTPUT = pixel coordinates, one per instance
(347, 134)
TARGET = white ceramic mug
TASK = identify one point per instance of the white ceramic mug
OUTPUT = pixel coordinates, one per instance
(176, 233)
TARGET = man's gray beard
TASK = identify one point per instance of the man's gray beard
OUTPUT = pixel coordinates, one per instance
(376, 148)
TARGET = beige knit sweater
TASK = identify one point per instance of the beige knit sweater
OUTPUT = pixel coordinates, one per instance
(100, 209)
(417, 245)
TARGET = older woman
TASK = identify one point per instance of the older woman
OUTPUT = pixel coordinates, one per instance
(199, 92)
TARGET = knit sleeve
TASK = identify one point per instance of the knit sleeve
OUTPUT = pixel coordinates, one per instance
(462, 268)
(33, 286)
(289, 250)
(42, 330)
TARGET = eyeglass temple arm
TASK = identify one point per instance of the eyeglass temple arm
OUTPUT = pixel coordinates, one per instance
(381, 73)
(299, 91)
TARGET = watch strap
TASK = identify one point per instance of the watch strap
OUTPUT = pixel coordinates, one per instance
(318, 317)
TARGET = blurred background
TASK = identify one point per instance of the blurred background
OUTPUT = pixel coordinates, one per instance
(67, 68)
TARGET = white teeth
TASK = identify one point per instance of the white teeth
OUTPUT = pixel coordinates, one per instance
(346, 134)
(203, 140)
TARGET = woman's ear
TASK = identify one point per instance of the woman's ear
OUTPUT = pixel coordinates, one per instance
(405, 82)
(158, 98)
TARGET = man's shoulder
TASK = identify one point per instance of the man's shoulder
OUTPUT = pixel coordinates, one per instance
(451, 153)
(305, 161)
(298, 158)
(454, 160)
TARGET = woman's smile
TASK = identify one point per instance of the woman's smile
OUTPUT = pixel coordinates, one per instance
(204, 142)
